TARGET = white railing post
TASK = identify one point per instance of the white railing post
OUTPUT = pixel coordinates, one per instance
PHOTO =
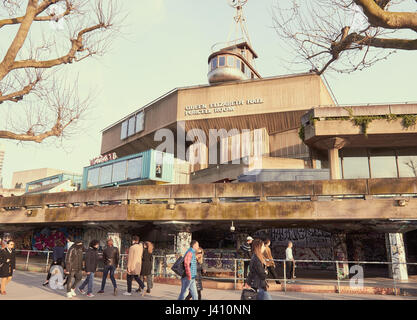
(27, 261)
(47, 261)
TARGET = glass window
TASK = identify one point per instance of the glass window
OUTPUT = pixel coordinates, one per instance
(105, 174)
(140, 120)
(242, 67)
(134, 168)
(252, 76)
(407, 162)
(92, 177)
(355, 164)
(131, 129)
(238, 63)
(214, 63)
(222, 61)
(383, 163)
(119, 171)
(230, 61)
(123, 134)
(159, 160)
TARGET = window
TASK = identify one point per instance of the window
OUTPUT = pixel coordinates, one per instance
(242, 67)
(159, 160)
(105, 174)
(214, 63)
(131, 128)
(407, 162)
(222, 61)
(140, 121)
(238, 63)
(252, 76)
(134, 168)
(383, 163)
(92, 177)
(123, 134)
(355, 163)
(119, 171)
(230, 61)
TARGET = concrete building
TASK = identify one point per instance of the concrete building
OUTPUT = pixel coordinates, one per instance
(2, 153)
(21, 178)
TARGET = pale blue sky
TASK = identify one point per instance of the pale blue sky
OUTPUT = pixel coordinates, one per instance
(166, 46)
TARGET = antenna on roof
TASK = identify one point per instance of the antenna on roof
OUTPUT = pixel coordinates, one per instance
(240, 21)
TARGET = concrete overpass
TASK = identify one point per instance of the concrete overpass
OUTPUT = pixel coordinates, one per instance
(360, 205)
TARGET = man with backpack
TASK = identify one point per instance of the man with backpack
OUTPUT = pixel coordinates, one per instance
(190, 266)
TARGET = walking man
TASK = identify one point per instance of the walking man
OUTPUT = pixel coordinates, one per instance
(190, 265)
(74, 267)
(110, 261)
(134, 265)
(290, 262)
(245, 252)
(91, 262)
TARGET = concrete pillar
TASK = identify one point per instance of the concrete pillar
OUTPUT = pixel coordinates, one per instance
(340, 254)
(396, 253)
(117, 239)
(182, 242)
(333, 145)
(334, 164)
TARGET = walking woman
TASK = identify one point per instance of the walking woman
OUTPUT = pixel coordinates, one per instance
(257, 273)
(199, 277)
(7, 265)
(270, 263)
(147, 266)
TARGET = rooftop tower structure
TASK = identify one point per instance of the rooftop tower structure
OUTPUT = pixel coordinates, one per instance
(233, 60)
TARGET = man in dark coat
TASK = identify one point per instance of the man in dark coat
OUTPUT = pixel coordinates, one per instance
(245, 252)
(74, 267)
(110, 261)
(91, 262)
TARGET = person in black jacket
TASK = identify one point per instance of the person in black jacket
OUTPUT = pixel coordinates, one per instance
(257, 273)
(7, 265)
(91, 262)
(74, 267)
(58, 256)
(146, 270)
(200, 271)
(110, 262)
(245, 252)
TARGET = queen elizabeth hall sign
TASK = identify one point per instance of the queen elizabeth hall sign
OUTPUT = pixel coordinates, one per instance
(219, 107)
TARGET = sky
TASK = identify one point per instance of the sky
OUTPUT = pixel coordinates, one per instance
(165, 45)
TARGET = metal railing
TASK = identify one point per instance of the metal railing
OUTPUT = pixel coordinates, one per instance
(161, 266)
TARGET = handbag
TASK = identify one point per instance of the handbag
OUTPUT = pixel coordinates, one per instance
(178, 266)
(249, 294)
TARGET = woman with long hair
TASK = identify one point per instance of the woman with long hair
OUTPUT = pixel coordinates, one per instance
(257, 272)
(7, 265)
(199, 278)
(270, 264)
(146, 270)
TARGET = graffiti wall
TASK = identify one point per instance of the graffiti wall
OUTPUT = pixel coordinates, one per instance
(309, 244)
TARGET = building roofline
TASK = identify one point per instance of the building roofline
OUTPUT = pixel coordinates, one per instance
(204, 86)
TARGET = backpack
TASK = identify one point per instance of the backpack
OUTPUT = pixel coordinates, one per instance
(178, 266)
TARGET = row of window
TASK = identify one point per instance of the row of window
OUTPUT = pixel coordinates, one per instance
(230, 61)
(133, 125)
(378, 163)
(115, 172)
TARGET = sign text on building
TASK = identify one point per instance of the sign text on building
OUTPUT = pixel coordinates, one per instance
(103, 158)
(219, 107)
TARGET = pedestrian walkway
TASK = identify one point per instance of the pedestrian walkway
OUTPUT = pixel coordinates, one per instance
(28, 286)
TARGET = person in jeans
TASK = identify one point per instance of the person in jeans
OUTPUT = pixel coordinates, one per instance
(190, 265)
(91, 262)
(58, 256)
(110, 262)
(245, 252)
(134, 265)
(257, 273)
(74, 267)
(199, 277)
(290, 262)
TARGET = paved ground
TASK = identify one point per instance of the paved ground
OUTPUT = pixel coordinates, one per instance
(28, 286)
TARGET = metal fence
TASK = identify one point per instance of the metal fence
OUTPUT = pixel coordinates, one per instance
(161, 266)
